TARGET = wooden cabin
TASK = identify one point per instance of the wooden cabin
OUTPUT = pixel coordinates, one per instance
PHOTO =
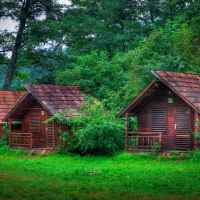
(8, 99)
(165, 113)
(41, 102)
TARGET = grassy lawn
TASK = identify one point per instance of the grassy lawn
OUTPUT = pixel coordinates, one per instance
(118, 177)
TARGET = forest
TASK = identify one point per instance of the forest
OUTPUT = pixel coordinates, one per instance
(106, 48)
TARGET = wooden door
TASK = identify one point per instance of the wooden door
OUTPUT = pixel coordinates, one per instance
(38, 130)
(182, 128)
(160, 118)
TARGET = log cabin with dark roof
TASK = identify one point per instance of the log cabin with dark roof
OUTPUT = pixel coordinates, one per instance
(40, 103)
(8, 99)
(165, 113)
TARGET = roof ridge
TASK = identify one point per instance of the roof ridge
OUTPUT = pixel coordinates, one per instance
(52, 85)
(176, 72)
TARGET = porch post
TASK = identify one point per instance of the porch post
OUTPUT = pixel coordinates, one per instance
(195, 130)
(126, 133)
(9, 125)
(54, 135)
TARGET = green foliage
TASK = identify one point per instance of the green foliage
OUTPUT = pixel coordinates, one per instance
(192, 155)
(4, 140)
(155, 149)
(99, 76)
(135, 35)
(170, 48)
(6, 151)
(36, 38)
(95, 130)
(197, 135)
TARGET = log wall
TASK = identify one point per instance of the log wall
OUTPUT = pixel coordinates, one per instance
(160, 114)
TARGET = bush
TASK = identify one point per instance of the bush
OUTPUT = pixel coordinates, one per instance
(95, 130)
(4, 140)
(197, 135)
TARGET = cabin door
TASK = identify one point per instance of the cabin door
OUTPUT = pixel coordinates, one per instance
(50, 133)
(182, 127)
(38, 129)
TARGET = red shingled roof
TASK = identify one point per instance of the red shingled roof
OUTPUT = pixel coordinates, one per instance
(55, 98)
(8, 99)
(186, 86)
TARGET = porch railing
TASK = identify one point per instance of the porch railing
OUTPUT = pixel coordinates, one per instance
(21, 140)
(143, 140)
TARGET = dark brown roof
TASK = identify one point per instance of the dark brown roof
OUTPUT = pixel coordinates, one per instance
(140, 100)
(55, 98)
(186, 86)
(8, 99)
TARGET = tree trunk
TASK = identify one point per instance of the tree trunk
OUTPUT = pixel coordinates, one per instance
(18, 42)
(11, 69)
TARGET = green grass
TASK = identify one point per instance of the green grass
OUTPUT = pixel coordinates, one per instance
(118, 177)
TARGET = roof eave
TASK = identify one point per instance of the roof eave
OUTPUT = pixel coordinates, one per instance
(13, 109)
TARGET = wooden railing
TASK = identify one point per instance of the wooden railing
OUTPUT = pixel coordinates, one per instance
(21, 140)
(143, 140)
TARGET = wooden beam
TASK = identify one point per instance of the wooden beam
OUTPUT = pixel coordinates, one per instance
(9, 125)
(126, 132)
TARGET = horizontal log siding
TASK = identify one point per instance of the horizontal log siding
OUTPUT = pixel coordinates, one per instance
(148, 120)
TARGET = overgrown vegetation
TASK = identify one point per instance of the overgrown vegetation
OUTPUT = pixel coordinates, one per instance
(95, 129)
(4, 140)
(197, 135)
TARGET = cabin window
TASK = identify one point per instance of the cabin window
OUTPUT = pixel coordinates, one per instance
(16, 126)
(158, 120)
(34, 123)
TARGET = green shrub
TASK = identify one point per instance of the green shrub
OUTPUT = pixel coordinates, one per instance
(4, 149)
(155, 148)
(4, 140)
(197, 135)
(95, 130)
(196, 155)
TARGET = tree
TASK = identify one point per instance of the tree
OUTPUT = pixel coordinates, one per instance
(35, 34)
(118, 26)
(175, 47)
(99, 76)
(112, 26)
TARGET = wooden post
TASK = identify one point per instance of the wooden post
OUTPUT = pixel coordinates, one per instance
(195, 143)
(31, 142)
(126, 132)
(160, 141)
(9, 125)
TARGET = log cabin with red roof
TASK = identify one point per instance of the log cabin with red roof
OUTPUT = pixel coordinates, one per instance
(165, 113)
(8, 99)
(40, 103)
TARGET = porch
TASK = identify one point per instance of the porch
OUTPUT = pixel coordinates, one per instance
(29, 141)
(140, 141)
(21, 140)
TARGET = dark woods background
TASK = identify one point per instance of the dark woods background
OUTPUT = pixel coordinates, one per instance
(105, 47)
